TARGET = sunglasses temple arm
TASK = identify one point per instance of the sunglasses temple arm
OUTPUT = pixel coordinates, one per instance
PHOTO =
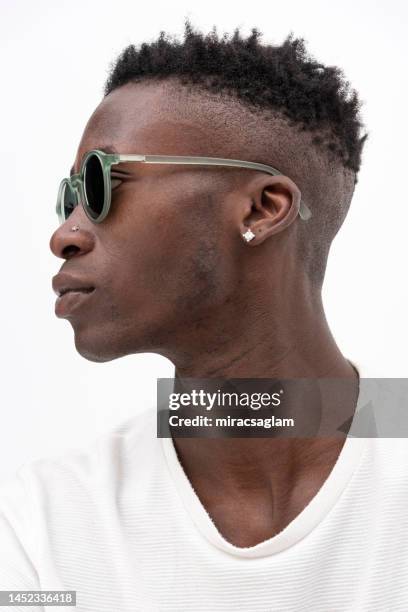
(304, 211)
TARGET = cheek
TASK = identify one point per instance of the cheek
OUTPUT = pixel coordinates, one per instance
(172, 274)
(178, 274)
(166, 256)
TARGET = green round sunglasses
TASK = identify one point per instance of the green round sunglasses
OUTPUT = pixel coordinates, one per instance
(93, 185)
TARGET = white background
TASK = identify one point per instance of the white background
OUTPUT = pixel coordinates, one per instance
(54, 62)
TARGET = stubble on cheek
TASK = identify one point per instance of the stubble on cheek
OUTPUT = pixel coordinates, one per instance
(114, 313)
(201, 281)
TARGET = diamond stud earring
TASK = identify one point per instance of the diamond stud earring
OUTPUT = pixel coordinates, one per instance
(74, 228)
(249, 235)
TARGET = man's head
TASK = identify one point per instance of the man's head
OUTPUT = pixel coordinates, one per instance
(169, 260)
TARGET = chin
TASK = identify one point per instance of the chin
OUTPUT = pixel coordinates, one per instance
(97, 347)
(96, 354)
(104, 343)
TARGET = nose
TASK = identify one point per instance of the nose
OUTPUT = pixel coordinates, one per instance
(67, 243)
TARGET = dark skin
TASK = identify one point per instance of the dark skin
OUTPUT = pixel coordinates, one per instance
(173, 275)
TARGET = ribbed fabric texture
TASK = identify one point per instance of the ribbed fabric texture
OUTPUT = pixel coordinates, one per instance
(120, 524)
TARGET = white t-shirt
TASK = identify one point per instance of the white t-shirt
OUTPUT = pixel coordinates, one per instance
(120, 524)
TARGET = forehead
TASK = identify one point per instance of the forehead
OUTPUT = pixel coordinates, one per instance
(148, 119)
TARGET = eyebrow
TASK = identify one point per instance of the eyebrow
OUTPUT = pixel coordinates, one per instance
(106, 149)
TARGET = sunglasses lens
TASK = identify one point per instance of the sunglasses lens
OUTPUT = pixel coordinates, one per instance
(94, 186)
(68, 201)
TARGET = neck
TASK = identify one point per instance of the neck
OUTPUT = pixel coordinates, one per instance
(265, 345)
(256, 341)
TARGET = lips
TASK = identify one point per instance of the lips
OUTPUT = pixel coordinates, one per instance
(71, 291)
(63, 283)
(65, 290)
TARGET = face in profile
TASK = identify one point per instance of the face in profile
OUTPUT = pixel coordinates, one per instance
(162, 260)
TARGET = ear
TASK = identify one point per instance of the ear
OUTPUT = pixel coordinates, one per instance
(272, 205)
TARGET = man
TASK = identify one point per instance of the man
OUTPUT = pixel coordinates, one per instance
(219, 269)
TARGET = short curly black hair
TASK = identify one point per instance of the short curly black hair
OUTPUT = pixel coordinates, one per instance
(282, 106)
(278, 77)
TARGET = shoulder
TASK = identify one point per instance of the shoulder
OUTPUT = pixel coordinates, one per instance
(85, 466)
(66, 493)
(18, 547)
(54, 485)
(71, 493)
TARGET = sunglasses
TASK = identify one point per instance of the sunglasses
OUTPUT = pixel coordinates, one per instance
(93, 187)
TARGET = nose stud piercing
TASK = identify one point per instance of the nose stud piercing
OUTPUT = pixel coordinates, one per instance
(74, 228)
(248, 235)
